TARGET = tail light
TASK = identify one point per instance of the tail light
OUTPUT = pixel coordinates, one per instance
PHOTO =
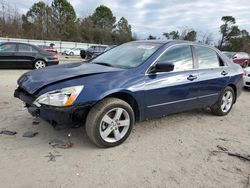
(55, 57)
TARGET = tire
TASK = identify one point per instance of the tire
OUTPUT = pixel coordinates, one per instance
(104, 134)
(71, 53)
(225, 103)
(245, 65)
(38, 64)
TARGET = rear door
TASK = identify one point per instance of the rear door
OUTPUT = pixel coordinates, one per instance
(174, 91)
(26, 55)
(213, 74)
(7, 55)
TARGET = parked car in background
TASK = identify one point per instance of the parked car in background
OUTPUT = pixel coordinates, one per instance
(48, 48)
(247, 77)
(135, 81)
(240, 58)
(92, 51)
(72, 51)
(22, 55)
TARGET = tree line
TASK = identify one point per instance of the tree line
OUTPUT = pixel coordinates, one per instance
(58, 21)
(232, 38)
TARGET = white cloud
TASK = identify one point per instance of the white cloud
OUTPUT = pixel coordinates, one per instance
(157, 16)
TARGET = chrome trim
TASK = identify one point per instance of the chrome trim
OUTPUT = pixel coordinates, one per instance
(14, 60)
(183, 100)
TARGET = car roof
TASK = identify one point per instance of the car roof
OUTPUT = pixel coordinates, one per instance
(168, 41)
(18, 43)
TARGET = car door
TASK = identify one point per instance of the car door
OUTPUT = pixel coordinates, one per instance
(7, 55)
(26, 55)
(174, 91)
(213, 74)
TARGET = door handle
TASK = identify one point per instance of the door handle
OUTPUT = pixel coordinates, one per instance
(191, 77)
(224, 73)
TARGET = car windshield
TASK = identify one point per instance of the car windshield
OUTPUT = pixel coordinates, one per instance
(128, 55)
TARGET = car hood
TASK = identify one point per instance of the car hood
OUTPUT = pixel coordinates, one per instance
(34, 80)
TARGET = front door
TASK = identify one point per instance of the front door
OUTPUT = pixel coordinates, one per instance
(173, 91)
(7, 55)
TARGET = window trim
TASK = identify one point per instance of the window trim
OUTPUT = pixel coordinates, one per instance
(18, 45)
(9, 44)
(217, 55)
(156, 60)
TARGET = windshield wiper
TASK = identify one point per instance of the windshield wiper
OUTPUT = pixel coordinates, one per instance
(105, 64)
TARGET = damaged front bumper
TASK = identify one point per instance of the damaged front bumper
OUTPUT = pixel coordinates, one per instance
(72, 116)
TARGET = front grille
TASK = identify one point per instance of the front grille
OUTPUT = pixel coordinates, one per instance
(248, 83)
(248, 75)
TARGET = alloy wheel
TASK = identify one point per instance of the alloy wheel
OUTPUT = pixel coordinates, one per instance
(227, 101)
(114, 125)
(40, 64)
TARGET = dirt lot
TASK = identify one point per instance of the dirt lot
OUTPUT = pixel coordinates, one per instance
(174, 151)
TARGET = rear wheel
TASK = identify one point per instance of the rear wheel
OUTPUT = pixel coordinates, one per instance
(39, 64)
(245, 65)
(225, 103)
(71, 53)
(109, 122)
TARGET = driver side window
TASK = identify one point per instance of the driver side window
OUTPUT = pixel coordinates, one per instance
(179, 56)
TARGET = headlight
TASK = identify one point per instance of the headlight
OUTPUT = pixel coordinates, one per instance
(62, 97)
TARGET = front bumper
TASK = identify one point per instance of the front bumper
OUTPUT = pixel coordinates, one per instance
(52, 62)
(70, 116)
(247, 81)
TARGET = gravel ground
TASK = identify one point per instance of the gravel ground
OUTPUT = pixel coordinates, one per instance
(175, 151)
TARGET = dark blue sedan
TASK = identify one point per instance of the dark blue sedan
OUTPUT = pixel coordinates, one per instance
(133, 82)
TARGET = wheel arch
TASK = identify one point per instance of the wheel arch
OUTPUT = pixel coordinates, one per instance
(130, 100)
(37, 59)
(235, 90)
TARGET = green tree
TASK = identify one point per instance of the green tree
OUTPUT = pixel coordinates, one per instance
(185, 34)
(190, 36)
(174, 35)
(38, 20)
(123, 31)
(228, 30)
(103, 18)
(64, 20)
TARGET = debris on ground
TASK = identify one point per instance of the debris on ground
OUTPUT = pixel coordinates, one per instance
(222, 148)
(30, 134)
(245, 157)
(52, 157)
(35, 122)
(240, 156)
(248, 183)
(56, 143)
(6, 132)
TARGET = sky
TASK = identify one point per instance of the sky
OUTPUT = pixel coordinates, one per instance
(156, 17)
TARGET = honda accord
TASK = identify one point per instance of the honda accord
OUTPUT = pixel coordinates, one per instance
(133, 82)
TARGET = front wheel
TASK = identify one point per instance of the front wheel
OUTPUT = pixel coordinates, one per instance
(225, 103)
(110, 122)
(39, 64)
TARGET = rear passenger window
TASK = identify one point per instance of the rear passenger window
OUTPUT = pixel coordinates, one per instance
(24, 48)
(207, 58)
(179, 56)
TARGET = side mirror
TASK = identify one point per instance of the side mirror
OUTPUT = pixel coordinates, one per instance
(162, 67)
